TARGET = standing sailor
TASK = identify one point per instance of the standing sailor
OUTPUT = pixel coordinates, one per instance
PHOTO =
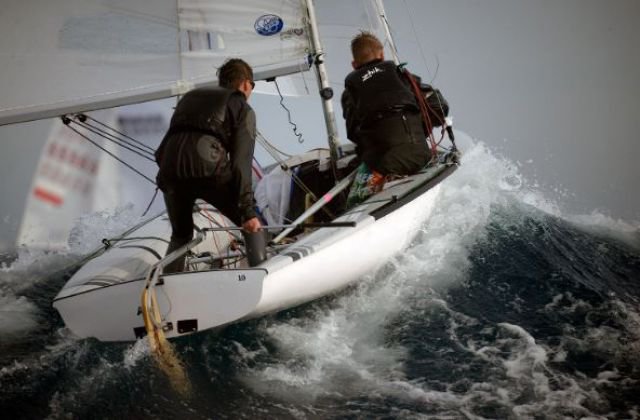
(207, 154)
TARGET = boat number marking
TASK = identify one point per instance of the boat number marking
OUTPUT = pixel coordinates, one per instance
(242, 277)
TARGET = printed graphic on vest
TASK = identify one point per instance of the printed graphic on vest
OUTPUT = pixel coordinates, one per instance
(369, 74)
(268, 25)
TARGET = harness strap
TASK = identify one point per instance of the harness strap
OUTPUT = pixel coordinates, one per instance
(428, 125)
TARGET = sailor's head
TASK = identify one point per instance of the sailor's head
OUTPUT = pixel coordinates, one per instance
(366, 47)
(236, 74)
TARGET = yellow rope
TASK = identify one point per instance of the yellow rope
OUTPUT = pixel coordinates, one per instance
(160, 347)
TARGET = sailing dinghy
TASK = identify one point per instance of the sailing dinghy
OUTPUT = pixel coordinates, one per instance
(102, 299)
(122, 293)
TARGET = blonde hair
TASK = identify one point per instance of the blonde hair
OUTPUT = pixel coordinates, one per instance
(365, 47)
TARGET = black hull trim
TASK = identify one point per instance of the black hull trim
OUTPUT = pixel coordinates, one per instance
(57, 299)
(398, 202)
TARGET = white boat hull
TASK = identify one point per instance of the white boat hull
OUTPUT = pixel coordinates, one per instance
(319, 264)
(332, 268)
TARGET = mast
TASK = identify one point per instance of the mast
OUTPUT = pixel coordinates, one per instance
(326, 92)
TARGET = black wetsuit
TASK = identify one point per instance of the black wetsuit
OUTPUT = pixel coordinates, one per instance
(207, 154)
(383, 119)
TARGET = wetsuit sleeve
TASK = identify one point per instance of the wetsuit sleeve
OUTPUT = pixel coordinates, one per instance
(349, 114)
(242, 144)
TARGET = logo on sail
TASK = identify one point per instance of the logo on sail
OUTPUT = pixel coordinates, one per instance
(292, 33)
(268, 25)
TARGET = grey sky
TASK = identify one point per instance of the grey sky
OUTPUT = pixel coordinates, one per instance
(555, 82)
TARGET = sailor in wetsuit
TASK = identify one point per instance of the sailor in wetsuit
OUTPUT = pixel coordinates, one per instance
(382, 118)
(207, 153)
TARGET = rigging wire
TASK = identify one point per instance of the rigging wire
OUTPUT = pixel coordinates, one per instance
(387, 26)
(211, 222)
(204, 212)
(294, 125)
(415, 35)
(138, 142)
(302, 71)
(66, 120)
(155, 194)
(81, 121)
(143, 150)
(271, 149)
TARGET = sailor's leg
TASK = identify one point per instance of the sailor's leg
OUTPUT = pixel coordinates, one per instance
(366, 183)
(406, 159)
(179, 202)
(222, 197)
(225, 200)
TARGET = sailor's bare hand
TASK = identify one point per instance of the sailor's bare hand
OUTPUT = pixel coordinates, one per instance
(252, 225)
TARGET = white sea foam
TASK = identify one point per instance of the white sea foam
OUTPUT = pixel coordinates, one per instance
(19, 315)
(344, 347)
(140, 350)
(343, 350)
(600, 224)
(103, 374)
(499, 176)
(33, 267)
(521, 380)
(84, 389)
(90, 229)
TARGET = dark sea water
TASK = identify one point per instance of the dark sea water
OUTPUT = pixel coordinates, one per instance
(502, 307)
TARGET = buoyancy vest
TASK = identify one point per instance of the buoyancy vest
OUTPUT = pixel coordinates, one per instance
(196, 144)
(377, 89)
(203, 110)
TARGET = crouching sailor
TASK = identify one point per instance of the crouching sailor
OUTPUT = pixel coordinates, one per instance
(383, 119)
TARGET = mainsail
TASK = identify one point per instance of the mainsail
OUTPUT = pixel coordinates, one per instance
(80, 55)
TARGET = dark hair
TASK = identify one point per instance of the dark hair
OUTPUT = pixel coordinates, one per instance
(233, 72)
(365, 46)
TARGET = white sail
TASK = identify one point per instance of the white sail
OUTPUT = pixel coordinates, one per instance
(269, 34)
(338, 22)
(80, 55)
